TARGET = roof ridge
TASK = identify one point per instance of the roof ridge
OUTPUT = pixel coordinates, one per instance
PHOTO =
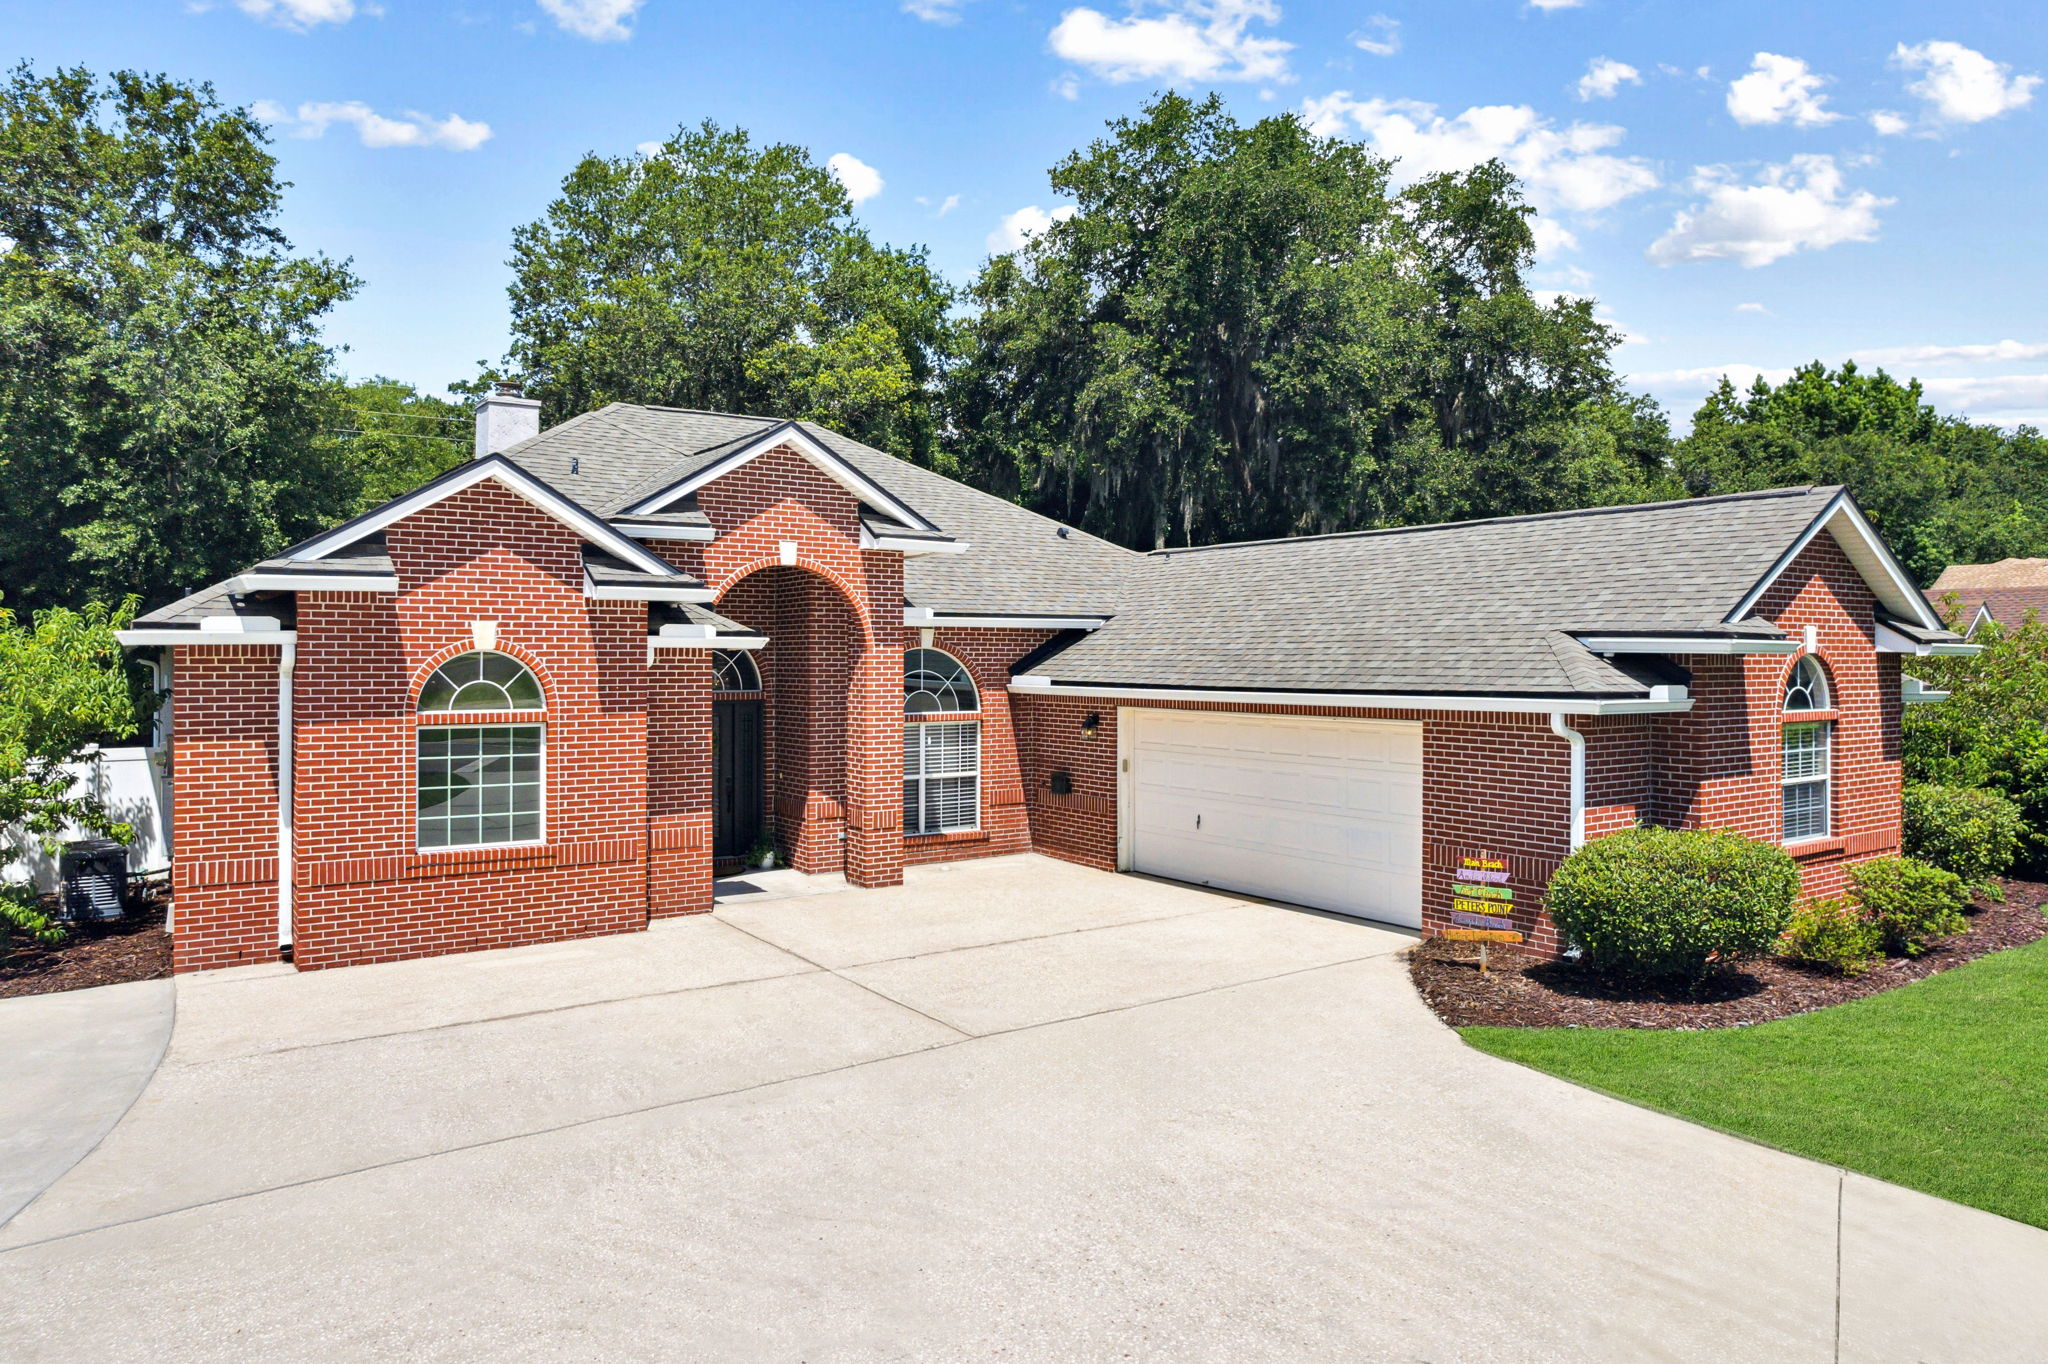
(1620, 507)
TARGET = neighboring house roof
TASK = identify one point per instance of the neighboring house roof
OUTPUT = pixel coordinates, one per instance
(1964, 578)
(1469, 607)
(2007, 606)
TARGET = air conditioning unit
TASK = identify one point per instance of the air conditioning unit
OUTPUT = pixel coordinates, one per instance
(95, 874)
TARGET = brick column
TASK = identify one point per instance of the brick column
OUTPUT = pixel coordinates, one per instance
(224, 771)
(874, 734)
(679, 779)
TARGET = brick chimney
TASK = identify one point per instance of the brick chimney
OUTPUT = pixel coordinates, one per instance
(505, 418)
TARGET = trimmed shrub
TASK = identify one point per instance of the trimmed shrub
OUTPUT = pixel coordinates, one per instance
(1834, 933)
(1974, 833)
(1911, 902)
(1668, 902)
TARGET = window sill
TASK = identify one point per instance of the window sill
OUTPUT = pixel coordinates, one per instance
(1811, 717)
(1815, 847)
(458, 851)
(951, 836)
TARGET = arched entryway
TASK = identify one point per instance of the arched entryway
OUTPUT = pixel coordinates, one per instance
(806, 677)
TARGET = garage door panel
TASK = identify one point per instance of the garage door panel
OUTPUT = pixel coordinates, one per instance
(1316, 812)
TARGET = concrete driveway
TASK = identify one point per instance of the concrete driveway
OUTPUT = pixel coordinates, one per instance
(1013, 1110)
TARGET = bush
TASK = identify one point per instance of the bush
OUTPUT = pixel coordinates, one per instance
(1974, 833)
(1833, 933)
(1911, 902)
(1665, 902)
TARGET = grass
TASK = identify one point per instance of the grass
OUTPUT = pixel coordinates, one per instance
(1941, 1085)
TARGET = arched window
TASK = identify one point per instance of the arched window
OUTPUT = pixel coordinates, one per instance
(1807, 687)
(732, 670)
(941, 757)
(480, 681)
(479, 785)
(935, 681)
(1806, 753)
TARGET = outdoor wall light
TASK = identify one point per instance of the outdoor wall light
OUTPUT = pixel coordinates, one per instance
(1090, 725)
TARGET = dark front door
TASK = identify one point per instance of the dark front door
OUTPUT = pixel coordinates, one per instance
(736, 776)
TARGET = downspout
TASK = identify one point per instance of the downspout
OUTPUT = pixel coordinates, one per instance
(287, 659)
(1578, 779)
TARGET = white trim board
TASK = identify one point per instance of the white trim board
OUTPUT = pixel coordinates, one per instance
(516, 481)
(597, 591)
(910, 546)
(864, 489)
(257, 581)
(205, 639)
(665, 530)
(1661, 700)
(1890, 641)
(1866, 551)
(925, 618)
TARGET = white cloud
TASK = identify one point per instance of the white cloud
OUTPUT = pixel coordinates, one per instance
(1888, 124)
(942, 206)
(1604, 77)
(952, 201)
(2010, 394)
(1962, 85)
(1563, 169)
(650, 148)
(935, 11)
(1381, 36)
(862, 181)
(1551, 236)
(1175, 39)
(1026, 223)
(601, 21)
(1778, 88)
(1924, 355)
(1799, 206)
(1759, 309)
(1549, 5)
(1705, 378)
(411, 129)
(1067, 86)
(301, 14)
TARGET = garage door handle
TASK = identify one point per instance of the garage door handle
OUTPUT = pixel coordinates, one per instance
(1198, 821)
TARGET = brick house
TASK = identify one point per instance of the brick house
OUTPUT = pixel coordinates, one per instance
(546, 695)
(2006, 592)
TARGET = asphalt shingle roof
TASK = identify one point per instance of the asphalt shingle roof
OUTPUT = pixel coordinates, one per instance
(1016, 562)
(1468, 607)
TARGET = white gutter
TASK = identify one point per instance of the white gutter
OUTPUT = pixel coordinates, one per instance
(597, 591)
(1890, 641)
(1685, 644)
(312, 582)
(215, 639)
(1661, 699)
(1578, 777)
(287, 660)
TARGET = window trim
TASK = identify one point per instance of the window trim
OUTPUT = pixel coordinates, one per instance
(541, 782)
(1822, 681)
(920, 778)
(1825, 780)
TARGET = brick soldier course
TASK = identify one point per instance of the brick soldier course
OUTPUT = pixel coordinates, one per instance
(618, 556)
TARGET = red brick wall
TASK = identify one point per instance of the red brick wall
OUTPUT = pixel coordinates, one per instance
(225, 872)
(366, 892)
(1723, 764)
(1005, 826)
(679, 783)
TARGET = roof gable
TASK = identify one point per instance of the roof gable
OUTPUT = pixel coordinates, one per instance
(516, 480)
(785, 435)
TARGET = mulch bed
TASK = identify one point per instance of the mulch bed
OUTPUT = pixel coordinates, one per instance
(133, 947)
(1520, 991)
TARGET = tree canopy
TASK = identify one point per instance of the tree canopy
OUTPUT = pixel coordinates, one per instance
(716, 274)
(1939, 489)
(162, 377)
(1245, 331)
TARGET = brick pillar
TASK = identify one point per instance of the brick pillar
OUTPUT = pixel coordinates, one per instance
(874, 735)
(224, 771)
(679, 777)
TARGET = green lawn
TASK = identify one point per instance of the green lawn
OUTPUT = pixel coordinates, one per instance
(1940, 1085)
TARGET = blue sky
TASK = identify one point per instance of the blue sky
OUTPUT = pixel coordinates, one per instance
(1742, 185)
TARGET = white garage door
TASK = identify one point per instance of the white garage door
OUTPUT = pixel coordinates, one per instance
(1325, 813)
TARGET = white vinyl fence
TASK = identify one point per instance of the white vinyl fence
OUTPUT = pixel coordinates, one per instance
(135, 785)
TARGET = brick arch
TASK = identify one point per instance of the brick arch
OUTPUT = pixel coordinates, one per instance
(419, 677)
(855, 600)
